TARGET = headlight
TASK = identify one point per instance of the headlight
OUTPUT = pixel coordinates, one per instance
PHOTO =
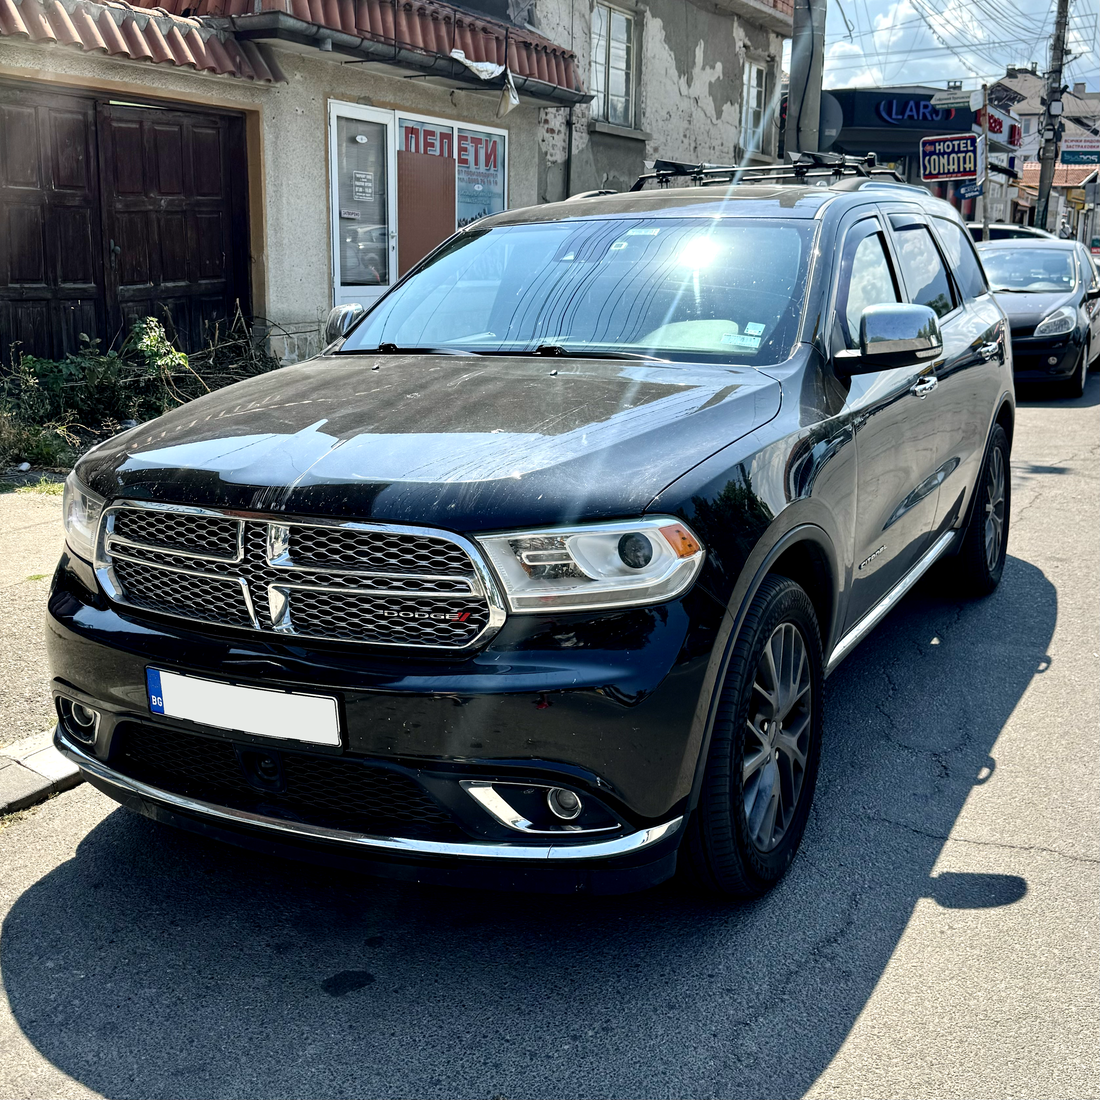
(81, 509)
(1058, 323)
(622, 564)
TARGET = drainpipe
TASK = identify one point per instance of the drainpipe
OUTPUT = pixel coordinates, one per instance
(569, 154)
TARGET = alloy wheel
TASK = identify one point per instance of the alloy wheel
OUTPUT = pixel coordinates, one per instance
(994, 508)
(777, 741)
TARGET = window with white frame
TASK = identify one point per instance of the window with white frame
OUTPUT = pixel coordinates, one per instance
(752, 107)
(613, 65)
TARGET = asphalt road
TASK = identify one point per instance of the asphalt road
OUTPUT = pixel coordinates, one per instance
(937, 936)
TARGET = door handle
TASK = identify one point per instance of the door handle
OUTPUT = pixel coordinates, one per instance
(987, 351)
(115, 253)
(924, 387)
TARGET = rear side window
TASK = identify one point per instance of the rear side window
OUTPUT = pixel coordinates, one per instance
(962, 259)
(923, 270)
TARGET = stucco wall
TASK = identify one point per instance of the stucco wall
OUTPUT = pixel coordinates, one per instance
(689, 108)
(690, 70)
(289, 154)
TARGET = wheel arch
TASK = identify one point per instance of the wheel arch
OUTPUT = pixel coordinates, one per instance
(806, 554)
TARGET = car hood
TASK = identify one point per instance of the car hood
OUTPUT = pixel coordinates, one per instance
(464, 443)
(1027, 310)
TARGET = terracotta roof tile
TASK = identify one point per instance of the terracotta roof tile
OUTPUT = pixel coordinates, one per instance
(428, 26)
(11, 22)
(118, 29)
(1065, 175)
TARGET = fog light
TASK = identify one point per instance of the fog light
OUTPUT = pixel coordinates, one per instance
(564, 804)
(83, 721)
(1052, 360)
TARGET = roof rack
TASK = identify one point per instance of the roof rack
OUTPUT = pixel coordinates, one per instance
(802, 168)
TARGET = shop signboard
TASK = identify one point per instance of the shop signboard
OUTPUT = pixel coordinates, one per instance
(952, 157)
(479, 157)
(480, 184)
(1080, 150)
(970, 190)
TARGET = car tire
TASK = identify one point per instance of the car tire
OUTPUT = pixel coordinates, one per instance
(1074, 386)
(981, 557)
(750, 819)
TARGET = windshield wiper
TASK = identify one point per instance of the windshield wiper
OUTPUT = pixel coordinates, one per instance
(394, 349)
(559, 350)
(1020, 290)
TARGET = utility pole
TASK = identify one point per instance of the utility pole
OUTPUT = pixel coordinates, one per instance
(985, 151)
(1052, 119)
(804, 90)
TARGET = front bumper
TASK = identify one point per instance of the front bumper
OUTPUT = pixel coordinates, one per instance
(604, 705)
(1031, 357)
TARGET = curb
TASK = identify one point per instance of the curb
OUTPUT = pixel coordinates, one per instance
(32, 777)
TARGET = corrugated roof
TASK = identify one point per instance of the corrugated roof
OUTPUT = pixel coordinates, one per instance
(426, 26)
(117, 29)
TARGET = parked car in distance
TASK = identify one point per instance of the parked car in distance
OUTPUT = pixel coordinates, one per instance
(1004, 231)
(533, 578)
(1049, 290)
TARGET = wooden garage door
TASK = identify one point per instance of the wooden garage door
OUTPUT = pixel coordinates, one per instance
(51, 270)
(111, 211)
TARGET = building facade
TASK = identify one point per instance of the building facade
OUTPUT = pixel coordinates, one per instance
(282, 156)
(891, 122)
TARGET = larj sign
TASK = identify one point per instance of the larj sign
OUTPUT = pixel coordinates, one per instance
(954, 157)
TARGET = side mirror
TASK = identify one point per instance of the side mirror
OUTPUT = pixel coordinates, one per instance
(893, 335)
(1092, 293)
(340, 321)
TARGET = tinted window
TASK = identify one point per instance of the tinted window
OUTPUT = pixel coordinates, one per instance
(962, 259)
(922, 266)
(1088, 267)
(868, 281)
(686, 289)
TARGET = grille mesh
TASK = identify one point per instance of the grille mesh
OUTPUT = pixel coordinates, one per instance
(391, 588)
(339, 793)
(210, 599)
(338, 547)
(207, 535)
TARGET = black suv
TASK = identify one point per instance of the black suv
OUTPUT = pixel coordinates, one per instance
(534, 576)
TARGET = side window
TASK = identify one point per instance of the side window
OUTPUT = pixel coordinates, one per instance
(866, 280)
(922, 266)
(962, 259)
(1089, 272)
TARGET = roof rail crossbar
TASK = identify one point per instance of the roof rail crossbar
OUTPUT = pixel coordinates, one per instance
(801, 167)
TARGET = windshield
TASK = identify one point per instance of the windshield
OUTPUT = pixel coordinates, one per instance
(692, 290)
(1031, 269)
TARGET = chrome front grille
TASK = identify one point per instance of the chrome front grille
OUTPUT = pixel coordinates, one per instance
(377, 584)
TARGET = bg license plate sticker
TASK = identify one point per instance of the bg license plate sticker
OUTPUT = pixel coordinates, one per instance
(313, 719)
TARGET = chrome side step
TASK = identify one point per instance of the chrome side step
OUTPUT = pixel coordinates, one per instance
(889, 601)
(595, 849)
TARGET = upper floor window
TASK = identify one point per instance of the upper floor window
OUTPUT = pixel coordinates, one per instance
(613, 65)
(752, 107)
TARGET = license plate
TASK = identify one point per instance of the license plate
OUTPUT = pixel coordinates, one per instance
(290, 716)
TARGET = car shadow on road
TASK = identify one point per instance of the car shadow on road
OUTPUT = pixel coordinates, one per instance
(1034, 395)
(158, 964)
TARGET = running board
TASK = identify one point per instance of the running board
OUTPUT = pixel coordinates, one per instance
(889, 601)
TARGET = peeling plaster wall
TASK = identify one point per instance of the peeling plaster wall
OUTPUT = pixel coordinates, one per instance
(690, 69)
(291, 248)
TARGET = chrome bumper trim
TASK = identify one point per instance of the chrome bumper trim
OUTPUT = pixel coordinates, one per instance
(599, 849)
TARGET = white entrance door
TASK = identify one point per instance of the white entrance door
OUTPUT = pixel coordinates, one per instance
(364, 202)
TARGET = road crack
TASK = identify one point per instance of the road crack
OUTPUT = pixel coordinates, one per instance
(1093, 860)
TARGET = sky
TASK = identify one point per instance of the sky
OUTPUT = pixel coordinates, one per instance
(872, 43)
